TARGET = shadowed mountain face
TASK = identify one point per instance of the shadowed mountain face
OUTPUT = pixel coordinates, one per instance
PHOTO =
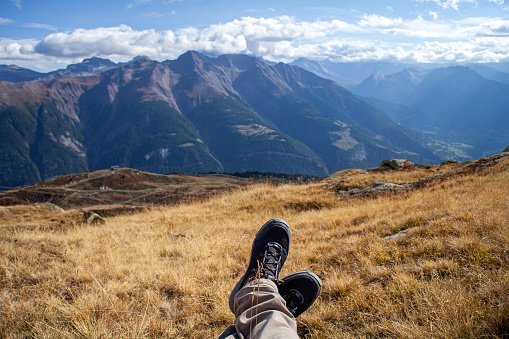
(450, 97)
(13, 73)
(454, 103)
(233, 113)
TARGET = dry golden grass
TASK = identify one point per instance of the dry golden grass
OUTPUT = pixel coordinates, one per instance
(168, 273)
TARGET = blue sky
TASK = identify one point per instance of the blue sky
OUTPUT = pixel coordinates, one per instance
(46, 35)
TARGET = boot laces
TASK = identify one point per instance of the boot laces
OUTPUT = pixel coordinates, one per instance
(293, 300)
(270, 264)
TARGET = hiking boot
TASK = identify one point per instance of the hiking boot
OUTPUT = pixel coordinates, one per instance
(268, 254)
(300, 291)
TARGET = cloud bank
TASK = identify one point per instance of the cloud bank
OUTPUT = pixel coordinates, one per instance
(284, 39)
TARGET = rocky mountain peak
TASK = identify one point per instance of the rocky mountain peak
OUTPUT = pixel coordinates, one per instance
(97, 62)
(189, 62)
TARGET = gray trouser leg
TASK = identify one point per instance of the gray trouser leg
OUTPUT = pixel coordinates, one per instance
(261, 312)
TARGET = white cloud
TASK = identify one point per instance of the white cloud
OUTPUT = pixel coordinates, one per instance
(282, 39)
(498, 2)
(421, 28)
(116, 41)
(258, 36)
(473, 21)
(6, 21)
(450, 4)
(154, 14)
(433, 14)
(476, 50)
(415, 33)
(137, 3)
(18, 49)
(496, 28)
(16, 3)
(375, 20)
(43, 26)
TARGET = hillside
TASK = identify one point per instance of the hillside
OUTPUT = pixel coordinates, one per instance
(429, 262)
(110, 192)
(233, 113)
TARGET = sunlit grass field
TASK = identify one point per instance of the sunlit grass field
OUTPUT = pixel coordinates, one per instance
(168, 272)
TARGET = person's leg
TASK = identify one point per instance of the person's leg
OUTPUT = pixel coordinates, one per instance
(256, 290)
(268, 254)
(229, 333)
(298, 290)
(264, 306)
(261, 312)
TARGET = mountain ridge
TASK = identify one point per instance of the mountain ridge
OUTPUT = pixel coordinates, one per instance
(232, 113)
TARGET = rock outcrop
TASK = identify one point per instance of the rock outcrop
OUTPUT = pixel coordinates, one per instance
(387, 188)
(379, 188)
(396, 164)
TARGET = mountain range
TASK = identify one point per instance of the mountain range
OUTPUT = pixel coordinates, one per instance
(449, 97)
(13, 73)
(351, 74)
(233, 113)
(452, 104)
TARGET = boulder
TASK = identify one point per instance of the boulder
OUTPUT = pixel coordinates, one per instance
(51, 207)
(400, 234)
(396, 163)
(94, 218)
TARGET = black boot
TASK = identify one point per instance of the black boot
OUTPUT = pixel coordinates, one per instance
(300, 291)
(268, 254)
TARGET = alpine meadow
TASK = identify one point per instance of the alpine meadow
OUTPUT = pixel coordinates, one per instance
(429, 262)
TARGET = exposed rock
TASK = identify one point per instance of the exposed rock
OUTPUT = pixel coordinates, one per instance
(463, 168)
(51, 207)
(396, 164)
(94, 218)
(506, 150)
(399, 234)
(377, 189)
(467, 167)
